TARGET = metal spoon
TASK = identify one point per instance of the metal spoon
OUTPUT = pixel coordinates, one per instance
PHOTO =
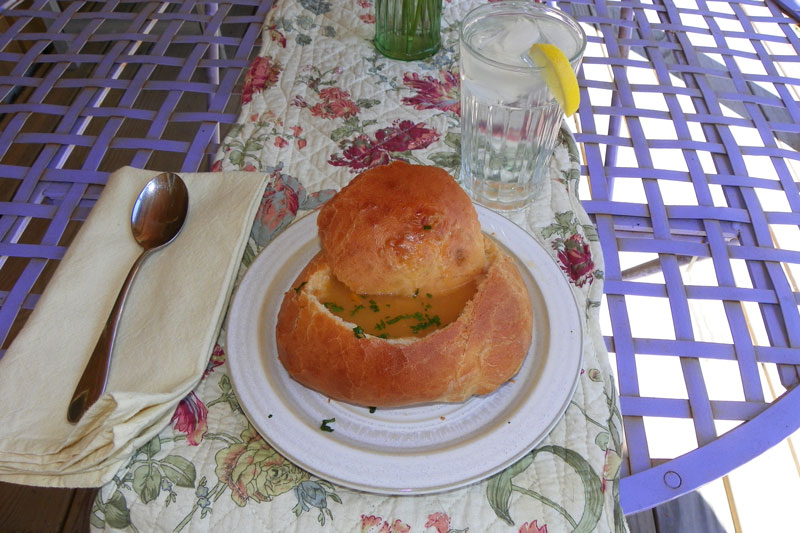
(157, 218)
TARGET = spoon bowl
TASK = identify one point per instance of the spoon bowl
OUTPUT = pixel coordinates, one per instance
(159, 211)
(157, 218)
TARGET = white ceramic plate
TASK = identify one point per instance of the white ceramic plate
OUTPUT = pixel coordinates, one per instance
(415, 450)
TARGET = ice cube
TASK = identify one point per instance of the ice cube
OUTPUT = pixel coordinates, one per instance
(488, 32)
(489, 83)
(555, 33)
(508, 46)
(558, 34)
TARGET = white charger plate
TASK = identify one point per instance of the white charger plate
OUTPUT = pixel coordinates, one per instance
(412, 450)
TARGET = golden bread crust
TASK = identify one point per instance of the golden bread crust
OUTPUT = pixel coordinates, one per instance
(474, 355)
(398, 228)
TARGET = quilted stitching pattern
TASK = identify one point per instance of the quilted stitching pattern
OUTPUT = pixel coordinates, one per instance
(310, 46)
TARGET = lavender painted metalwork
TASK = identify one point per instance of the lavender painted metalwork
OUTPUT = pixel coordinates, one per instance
(86, 90)
(719, 101)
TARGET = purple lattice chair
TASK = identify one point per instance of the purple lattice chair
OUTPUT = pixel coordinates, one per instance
(689, 126)
(87, 87)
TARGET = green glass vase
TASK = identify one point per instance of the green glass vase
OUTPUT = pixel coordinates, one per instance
(408, 29)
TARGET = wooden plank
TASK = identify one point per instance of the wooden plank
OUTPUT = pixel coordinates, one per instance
(24, 508)
(77, 519)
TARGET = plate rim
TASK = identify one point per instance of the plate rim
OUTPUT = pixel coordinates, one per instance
(240, 383)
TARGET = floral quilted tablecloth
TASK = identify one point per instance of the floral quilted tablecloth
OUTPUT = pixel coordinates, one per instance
(319, 106)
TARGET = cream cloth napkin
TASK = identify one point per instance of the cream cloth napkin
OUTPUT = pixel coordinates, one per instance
(169, 325)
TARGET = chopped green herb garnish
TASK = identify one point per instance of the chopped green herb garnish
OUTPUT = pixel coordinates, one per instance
(429, 295)
(416, 293)
(430, 321)
(383, 336)
(325, 427)
(359, 332)
(372, 409)
(380, 325)
(356, 309)
(427, 226)
(333, 307)
(374, 306)
(398, 318)
(300, 287)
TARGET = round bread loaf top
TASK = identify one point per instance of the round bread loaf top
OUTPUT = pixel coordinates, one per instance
(401, 228)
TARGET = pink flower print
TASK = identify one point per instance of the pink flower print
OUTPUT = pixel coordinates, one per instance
(363, 153)
(190, 418)
(376, 524)
(217, 166)
(433, 93)
(405, 135)
(533, 527)
(296, 132)
(217, 358)
(343, 108)
(334, 103)
(261, 75)
(279, 201)
(440, 521)
(280, 142)
(399, 527)
(576, 259)
(249, 168)
(276, 36)
(369, 17)
(333, 93)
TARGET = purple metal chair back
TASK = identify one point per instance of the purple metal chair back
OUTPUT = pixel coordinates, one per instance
(88, 87)
(700, 99)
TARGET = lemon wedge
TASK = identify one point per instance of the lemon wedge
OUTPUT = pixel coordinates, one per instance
(558, 75)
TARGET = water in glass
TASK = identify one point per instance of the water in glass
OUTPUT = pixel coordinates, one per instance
(509, 118)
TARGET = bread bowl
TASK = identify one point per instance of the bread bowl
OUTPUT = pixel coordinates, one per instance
(337, 350)
(399, 228)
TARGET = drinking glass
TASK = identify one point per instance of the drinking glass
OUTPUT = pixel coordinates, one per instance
(408, 29)
(509, 118)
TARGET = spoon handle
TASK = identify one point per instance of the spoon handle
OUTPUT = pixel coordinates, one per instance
(93, 381)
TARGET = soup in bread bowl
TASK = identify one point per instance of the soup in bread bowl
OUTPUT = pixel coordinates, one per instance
(407, 302)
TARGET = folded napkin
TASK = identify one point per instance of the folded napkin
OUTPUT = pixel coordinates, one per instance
(169, 325)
